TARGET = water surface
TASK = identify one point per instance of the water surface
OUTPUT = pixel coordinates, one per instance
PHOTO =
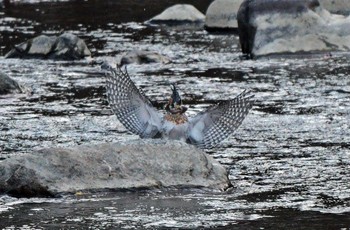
(288, 162)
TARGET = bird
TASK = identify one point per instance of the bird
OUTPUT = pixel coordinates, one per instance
(205, 130)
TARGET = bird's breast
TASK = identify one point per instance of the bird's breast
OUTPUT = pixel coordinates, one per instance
(177, 119)
(175, 126)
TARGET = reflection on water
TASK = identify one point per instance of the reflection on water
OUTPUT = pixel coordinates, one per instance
(289, 161)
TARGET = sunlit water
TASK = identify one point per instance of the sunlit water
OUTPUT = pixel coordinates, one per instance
(288, 162)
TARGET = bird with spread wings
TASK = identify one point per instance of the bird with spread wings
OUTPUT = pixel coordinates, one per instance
(205, 130)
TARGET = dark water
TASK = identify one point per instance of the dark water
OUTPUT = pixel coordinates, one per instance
(289, 161)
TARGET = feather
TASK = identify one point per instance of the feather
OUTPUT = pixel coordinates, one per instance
(133, 109)
(209, 128)
(206, 130)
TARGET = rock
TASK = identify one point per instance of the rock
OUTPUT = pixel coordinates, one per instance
(110, 166)
(283, 27)
(69, 46)
(36, 47)
(222, 15)
(177, 14)
(143, 57)
(64, 47)
(336, 6)
(8, 85)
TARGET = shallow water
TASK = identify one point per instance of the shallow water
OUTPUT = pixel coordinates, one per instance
(289, 161)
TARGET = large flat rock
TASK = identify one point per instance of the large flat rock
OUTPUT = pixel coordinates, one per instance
(110, 166)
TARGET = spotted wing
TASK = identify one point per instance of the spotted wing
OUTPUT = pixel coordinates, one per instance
(131, 106)
(209, 128)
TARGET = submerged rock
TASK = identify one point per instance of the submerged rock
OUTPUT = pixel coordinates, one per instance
(222, 15)
(177, 14)
(283, 26)
(132, 165)
(8, 85)
(143, 57)
(64, 47)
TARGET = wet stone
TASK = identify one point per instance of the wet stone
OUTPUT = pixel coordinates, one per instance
(287, 27)
(143, 57)
(177, 14)
(336, 6)
(114, 166)
(222, 15)
(8, 85)
(64, 47)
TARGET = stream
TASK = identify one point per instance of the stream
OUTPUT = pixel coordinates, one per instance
(289, 161)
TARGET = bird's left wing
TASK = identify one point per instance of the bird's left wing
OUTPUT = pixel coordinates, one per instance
(209, 128)
(133, 109)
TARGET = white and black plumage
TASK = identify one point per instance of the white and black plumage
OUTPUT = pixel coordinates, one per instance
(205, 130)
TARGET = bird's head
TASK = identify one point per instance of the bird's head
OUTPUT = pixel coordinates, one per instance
(174, 105)
(175, 97)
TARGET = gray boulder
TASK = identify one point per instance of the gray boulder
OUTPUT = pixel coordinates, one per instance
(336, 6)
(222, 15)
(68, 46)
(64, 47)
(178, 14)
(143, 57)
(112, 166)
(285, 27)
(8, 85)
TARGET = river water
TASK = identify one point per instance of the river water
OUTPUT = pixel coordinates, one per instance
(289, 162)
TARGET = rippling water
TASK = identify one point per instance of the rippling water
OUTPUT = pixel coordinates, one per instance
(289, 161)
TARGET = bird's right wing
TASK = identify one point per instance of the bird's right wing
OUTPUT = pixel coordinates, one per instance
(209, 128)
(130, 105)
